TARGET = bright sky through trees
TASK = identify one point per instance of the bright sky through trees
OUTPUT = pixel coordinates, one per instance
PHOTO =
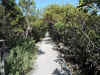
(44, 3)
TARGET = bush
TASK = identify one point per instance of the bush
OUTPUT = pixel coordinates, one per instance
(39, 29)
(79, 32)
(21, 57)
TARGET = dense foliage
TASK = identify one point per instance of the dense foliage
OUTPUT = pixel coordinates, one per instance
(79, 32)
(89, 3)
(21, 28)
(21, 57)
(22, 25)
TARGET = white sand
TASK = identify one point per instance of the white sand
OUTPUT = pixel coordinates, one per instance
(45, 63)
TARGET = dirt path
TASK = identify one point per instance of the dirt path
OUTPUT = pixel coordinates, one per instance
(45, 63)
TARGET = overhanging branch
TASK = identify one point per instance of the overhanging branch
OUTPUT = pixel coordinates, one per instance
(87, 3)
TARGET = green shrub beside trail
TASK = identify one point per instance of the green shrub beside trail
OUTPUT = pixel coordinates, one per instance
(78, 30)
(21, 57)
(22, 27)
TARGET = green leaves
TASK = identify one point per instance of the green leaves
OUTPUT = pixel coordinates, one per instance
(27, 6)
(78, 31)
(59, 25)
(20, 20)
(92, 6)
(21, 57)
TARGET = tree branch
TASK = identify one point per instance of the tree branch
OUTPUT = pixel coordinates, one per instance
(87, 3)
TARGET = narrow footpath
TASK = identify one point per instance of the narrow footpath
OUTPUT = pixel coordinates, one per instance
(45, 63)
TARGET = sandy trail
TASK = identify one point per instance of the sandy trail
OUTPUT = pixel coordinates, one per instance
(45, 63)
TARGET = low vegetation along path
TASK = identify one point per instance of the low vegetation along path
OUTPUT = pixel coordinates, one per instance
(45, 63)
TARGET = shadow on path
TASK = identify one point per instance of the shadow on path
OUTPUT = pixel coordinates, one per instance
(45, 64)
(56, 72)
(40, 52)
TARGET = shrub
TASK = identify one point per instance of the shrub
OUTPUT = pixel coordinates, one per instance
(21, 57)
